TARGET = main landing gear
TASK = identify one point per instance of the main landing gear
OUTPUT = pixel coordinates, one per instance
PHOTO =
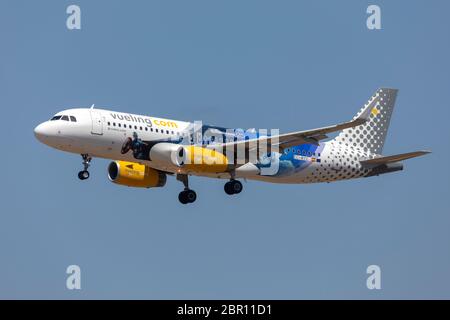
(233, 187)
(187, 195)
(84, 174)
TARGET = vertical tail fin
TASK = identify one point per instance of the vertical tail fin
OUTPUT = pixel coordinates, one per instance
(371, 135)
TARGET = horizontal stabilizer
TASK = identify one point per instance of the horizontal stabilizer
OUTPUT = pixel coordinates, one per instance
(391, 159)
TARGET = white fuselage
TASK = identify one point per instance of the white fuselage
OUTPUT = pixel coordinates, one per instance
(101, 133)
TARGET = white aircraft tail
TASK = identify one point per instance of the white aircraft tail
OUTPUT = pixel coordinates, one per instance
(370, 136)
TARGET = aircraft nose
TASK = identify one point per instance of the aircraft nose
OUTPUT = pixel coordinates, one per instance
(41, 131)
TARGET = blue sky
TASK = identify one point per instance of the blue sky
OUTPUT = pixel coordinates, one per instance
(291, 65)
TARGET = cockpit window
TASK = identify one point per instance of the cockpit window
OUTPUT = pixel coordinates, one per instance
(55, 118)
(65, 118)
(73, 119)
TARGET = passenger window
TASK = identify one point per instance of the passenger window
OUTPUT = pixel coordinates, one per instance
(114, 124)
(140, 128)
(73, 119)
(120, 125)
(65, 118)
(157, 130)
(135, 127)
(109, 123)
(167, 131)
(146, 129)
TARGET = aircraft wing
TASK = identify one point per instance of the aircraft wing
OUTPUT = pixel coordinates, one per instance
(394, 158)
(287, 140)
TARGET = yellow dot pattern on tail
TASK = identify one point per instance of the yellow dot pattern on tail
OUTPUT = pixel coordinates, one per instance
(375, 111)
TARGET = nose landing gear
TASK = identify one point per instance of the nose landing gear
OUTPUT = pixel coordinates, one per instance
(233, 187)
(84, 174)
(187, 195)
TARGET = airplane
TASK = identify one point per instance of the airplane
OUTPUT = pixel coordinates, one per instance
(145, 150)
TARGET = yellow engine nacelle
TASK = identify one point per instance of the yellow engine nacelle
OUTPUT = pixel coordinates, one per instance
(206, 160)
(189, 158)
(136, 175)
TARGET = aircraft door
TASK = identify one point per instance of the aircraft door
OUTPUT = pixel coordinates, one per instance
(97, 122)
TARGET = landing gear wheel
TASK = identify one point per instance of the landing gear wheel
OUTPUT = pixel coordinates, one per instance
(227, 188)
(182, 197)
(236, 186)
(187, 196)
(191, 196)
(233, 187)
(83, 175)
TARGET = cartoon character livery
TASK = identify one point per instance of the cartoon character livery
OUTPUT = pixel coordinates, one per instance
(145, 150)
